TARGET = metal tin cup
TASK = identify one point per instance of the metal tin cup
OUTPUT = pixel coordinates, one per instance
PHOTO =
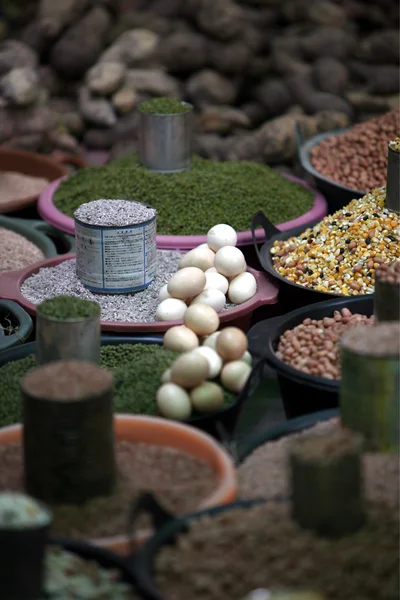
(71, 339)
(393, 180)
(22, 553)
(165, 141)
(116, 260)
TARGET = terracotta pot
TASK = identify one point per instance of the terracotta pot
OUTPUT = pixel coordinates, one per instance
(162, 432)
(50, 167)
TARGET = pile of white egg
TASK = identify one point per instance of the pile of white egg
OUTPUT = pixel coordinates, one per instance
(208, 274)
(206, 354)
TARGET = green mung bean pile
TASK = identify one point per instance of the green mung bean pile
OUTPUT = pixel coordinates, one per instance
(137, 369)
(65, 308)
(190, 203)
(164, 106)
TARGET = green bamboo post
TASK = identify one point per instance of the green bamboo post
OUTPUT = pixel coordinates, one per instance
(370, 384)
(387, 292)
(326, 483)
(68, 432)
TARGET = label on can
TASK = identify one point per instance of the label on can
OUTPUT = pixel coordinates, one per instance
(116, 259)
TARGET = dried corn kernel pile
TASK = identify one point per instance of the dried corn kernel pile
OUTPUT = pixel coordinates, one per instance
(340, 254)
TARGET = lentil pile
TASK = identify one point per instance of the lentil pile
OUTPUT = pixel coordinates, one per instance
(389, 273)
(180, 480)
(313, 346)
(164, 106)
(340, 254)
(137, 370)
(69, 576)
(358, 157)
(14, 186)
(191, 202)
(16, 252)
(114, 213)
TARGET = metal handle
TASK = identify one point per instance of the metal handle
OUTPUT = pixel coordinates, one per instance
(269, 229)
(146, 504)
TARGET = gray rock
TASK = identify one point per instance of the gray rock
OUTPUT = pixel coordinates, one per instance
(20, 86)
(381, 47)
(132, 48)
(124, 100)
(330, 75)
(328, 41)
(105, 78)
(368, 103)
(327, 13)
(209, 87)
(14, 55)
(98, 111)
(222, 119)
(98, 139)
(275, 96)
(184, 51)
(221, 19)
(55, 15)
(152, 81)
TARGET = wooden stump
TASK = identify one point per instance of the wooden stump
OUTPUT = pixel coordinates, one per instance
(326, 482)
(68, 432)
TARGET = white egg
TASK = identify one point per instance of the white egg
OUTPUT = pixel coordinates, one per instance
(242, 288)
(205, 245)
(166, 376)
(171, 309)
(190, 370)
(214, 360)
(213, 298)
(207, 397)
(163, 293)
(229, 261)
(211, 340)
(234, 375)
(187, 283)
(173, 402)
(212, 270)
(247, 358)
(201, 318)
(221, 235)
(216, 281)
(202, 258)
(180, 339)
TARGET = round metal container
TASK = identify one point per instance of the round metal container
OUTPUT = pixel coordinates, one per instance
(116, 260)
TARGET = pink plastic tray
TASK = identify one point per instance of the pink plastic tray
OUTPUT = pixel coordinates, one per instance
(52, 215)
(267, 293)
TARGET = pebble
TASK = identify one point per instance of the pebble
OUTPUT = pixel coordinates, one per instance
(114, 213)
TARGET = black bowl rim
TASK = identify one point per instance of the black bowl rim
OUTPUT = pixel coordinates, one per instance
(11, 354)
(144, 560)
(304, 154)
(280, 322)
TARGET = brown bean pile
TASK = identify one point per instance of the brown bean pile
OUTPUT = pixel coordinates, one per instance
(358, 157)
(389, 273)
(264, 473)
(179, 480)
(16, 252)
(227, 556)
(14, 186)
(313, 346)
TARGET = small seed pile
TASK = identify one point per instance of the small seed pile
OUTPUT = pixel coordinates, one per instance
(139, 307)
(264, 473)
(137, 369)
(340, 254)
(358, 157)
(389, 273)
(14, 186)
(189, 203)
(180, 480)
(64, 308)
(313, 346)
(69, 576)
(114, 213)
(164, 106)
(16, 252)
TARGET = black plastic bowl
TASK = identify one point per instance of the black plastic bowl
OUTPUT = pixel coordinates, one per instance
(336, 194)
(291, 294)
(168, 529)
(301, 393)
(220, 424)
(15, 325)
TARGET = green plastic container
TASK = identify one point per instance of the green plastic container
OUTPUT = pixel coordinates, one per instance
(51, 241)
(13, 317)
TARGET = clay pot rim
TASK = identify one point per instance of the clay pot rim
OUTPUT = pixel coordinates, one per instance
(155, 430)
